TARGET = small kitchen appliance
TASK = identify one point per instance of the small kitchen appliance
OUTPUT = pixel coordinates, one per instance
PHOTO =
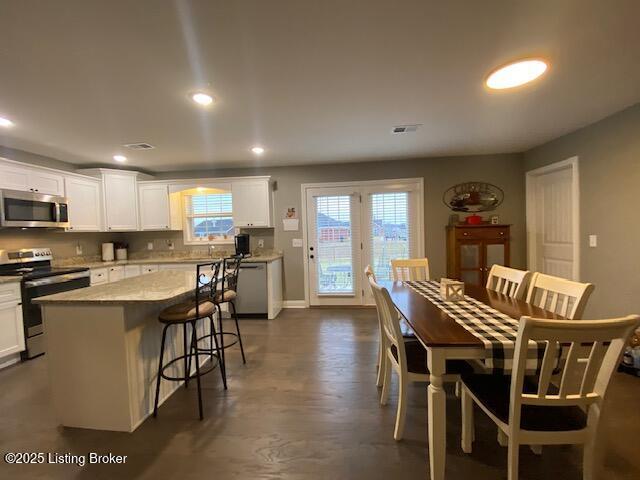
(242, 244)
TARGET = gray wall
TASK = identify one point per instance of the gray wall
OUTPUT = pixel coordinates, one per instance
(609, 166)
(439, 174)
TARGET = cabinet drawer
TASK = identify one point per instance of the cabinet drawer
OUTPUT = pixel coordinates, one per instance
(148, 269)
(98, 276)
(10, 292)
(482, 233)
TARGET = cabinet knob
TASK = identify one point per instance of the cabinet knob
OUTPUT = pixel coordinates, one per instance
(465, 233)
(501, 233)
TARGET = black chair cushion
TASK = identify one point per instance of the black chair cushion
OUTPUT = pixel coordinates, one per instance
(493, 391)
(417, 359)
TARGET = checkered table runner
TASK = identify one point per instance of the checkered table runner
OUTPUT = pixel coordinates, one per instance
(495, 330)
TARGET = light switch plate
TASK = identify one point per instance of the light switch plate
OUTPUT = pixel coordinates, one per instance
(593, 241)
(296, 242)
(149, 245)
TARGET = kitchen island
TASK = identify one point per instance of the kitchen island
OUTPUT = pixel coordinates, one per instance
(103, 347)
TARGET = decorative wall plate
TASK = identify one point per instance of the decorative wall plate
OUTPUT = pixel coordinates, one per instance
(473, 197)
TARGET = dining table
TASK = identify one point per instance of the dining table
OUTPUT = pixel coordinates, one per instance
(445, 339)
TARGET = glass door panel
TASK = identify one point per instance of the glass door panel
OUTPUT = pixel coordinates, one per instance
(495, 254)
(334, 245)
(471, 263)
(389, 227)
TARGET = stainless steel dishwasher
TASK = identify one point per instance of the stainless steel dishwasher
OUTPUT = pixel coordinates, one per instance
(252, 290)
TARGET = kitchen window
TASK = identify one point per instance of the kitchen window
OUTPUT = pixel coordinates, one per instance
(208, 218)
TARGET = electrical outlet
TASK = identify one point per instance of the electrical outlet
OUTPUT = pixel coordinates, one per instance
(78, 249)
(261, 243)
(149, 245)
(170, 244)
(593, 241)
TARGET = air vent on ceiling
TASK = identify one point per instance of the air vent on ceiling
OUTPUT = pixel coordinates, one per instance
(139, 146)
(405, 128)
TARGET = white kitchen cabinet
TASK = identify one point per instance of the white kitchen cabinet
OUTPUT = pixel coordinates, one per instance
(154, 206)
(120, 201)
(84, 200)
(144, 269)
(252, 203)
(115, 273)
(30, 179)
(132, 271)
(99, 276)
(11, 327)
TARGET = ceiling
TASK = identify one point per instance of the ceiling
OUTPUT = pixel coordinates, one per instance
(311, 81)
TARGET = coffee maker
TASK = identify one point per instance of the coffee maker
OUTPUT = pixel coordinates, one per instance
(243, 244)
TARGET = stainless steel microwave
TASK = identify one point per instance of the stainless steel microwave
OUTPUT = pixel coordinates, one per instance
(27, 209)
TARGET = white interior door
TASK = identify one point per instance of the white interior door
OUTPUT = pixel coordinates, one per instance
(355, 225)
(552, 219)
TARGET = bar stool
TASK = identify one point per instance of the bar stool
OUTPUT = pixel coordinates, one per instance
(227, 294)
(188, 313)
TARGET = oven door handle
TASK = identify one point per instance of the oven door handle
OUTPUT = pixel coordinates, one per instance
(67, 277)
(56, 210)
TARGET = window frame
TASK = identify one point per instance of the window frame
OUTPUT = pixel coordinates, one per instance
(188, 228)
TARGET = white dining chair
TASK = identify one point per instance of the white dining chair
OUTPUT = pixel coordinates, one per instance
(533, 411)
(410, 269)
(508, 281)
(369, 274)
(559, 295)
(407, 357)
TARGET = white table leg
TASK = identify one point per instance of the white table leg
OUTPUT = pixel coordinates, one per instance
(437, 413)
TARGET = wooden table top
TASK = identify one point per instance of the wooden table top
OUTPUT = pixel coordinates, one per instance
(436, 328)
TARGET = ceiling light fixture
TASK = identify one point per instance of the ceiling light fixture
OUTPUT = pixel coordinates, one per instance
(516, 73)
(120, 158)
(5, 122)
(201, 98)
(258, 150)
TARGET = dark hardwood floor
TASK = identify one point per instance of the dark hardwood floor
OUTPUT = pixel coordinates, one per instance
(304, 407)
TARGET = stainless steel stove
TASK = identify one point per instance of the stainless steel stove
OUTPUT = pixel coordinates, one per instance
(39, 278)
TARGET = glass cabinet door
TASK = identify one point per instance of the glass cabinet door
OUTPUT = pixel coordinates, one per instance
(471, 263)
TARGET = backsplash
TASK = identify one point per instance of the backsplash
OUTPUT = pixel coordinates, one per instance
(63, 244)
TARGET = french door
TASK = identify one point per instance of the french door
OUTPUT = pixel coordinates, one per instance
(349, 226)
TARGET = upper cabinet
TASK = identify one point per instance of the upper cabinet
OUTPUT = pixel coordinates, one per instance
(120, 201)
(84, 200)
(30, 179)
(119, 198)
(154, 206)
(252, 203)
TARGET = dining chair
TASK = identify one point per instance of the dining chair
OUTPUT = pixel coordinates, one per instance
(559, 295)
(407, 357)
(368, 272)
(410, 269)
(508, 281)
(530, 410)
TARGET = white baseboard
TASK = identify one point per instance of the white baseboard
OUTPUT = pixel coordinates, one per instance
(9, 360)
(294, 304)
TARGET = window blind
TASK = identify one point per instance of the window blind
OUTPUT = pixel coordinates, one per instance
(391, 230)
(334, 241)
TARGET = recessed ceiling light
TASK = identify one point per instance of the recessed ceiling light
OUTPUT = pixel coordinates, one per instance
(120, 158)
(258, 150)
(516, 74)
(203, 99)
(5, 122)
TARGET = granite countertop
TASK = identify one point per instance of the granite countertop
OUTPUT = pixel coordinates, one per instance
(150, 288)
(262, 258)
(10, 279)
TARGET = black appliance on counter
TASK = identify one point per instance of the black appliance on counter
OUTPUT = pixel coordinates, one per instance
(242, 244)
(39, 278)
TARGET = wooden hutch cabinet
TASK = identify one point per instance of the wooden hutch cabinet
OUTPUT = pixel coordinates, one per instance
(473, 249)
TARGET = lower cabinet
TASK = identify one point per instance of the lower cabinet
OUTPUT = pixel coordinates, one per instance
(116, 273)
(144, 269)
(189, 267)
(11, 328)
(99, 276)
(132, 271)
